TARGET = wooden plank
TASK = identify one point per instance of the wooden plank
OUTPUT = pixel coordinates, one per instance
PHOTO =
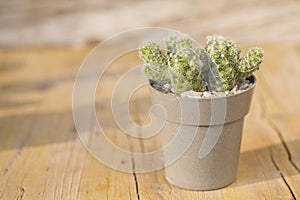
(53, 164)
(282, 110)
(42, 158)
(14, 134)
(62, 169)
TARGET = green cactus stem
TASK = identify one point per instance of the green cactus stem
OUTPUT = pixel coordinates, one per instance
(175, 44)
(249, 63)
(179, 82)
(157, 63)
(188, 64)
(225, 54)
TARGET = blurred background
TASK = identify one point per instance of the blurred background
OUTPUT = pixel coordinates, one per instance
(30, 23)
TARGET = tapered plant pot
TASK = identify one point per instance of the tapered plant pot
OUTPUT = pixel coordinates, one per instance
(209, 155)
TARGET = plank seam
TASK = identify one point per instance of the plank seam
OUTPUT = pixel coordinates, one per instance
(279, 133)
(136, 185)
(135, 179)
(133, 171)
(282, 175)
(276, 129)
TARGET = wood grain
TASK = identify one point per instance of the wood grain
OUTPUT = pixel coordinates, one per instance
(41, 156)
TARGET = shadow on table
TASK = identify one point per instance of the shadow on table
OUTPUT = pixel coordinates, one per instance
(18, 131)
(268, 163)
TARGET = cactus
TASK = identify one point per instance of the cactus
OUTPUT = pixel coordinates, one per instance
(175, 44)
(188, 65)
(182, 67)
(218, 66)
(225, 54)
(157, 63)
(249, 63)
(210, 72)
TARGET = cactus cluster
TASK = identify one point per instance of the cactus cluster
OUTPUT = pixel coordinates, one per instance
(225, 56)
(218, 67)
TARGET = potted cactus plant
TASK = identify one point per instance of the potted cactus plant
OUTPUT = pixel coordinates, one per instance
(182, 75)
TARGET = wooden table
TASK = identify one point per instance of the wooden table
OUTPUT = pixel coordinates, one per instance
(41, 156)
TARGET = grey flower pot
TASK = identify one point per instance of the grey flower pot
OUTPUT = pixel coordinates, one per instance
(209, 159)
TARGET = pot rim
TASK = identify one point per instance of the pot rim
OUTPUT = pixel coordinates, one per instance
(209, 98)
